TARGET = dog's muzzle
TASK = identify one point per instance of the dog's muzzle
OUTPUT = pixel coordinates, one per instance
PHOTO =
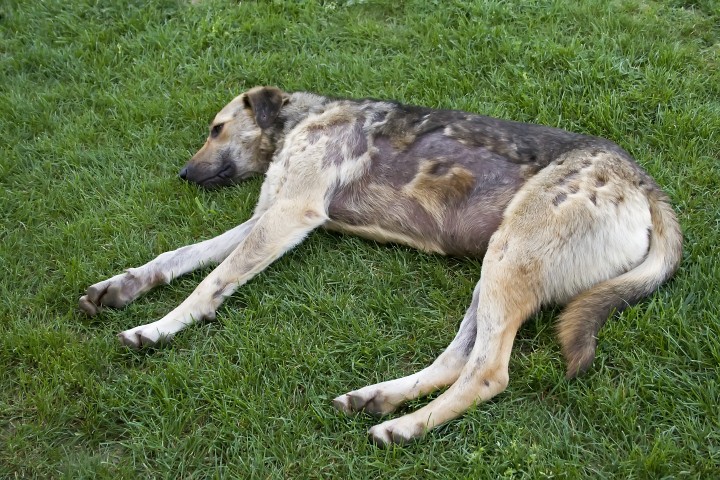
(223, 176)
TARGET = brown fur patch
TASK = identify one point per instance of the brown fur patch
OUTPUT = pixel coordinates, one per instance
(341, 114)
(438, 186)
(401, 142)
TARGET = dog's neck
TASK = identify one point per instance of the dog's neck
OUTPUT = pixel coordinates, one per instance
(299, 106)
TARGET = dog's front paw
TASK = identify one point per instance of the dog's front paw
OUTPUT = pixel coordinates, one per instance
(398, 431)
(144, 336)
(370, 399)
(114, 292)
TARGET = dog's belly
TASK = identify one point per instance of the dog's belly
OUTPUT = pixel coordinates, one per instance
(442, 224)
(380, 233)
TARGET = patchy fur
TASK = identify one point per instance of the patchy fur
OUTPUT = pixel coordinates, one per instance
(557, 217)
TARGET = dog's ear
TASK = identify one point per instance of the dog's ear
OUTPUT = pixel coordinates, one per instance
(265, 103)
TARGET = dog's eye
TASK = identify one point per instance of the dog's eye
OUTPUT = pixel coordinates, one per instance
(215, 131)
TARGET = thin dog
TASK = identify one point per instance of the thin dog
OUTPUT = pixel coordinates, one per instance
(558, 218)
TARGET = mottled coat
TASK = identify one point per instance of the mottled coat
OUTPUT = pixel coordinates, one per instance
(557, 217)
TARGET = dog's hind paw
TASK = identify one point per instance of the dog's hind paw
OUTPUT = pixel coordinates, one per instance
(395, 432)
(143, 336)
(130, 339)
(368, 399)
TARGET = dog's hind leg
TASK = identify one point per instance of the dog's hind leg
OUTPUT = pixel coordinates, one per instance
(277, 230)
(122, 289)
(385, 397)
(574, 226)
(506, 300)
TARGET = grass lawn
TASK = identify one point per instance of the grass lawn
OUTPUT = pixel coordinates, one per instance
(102, 102)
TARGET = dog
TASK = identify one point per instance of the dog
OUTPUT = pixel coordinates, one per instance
(558, 218)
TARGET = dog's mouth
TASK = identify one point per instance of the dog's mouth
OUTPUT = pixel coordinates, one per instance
(226, 173)
(220, 178)
(226, 176)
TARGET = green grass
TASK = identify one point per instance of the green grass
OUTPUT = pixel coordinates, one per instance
(102, 103)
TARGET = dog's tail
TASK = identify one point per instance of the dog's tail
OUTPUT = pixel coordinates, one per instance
(583, 317)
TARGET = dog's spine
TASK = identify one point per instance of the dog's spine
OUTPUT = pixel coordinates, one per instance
(585, 315)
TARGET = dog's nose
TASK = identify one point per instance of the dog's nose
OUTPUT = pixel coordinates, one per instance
(183, 173)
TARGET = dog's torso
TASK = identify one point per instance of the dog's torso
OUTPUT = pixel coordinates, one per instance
(436, 180)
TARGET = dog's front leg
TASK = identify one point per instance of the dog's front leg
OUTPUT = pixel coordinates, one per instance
(277, 230)
(122, 289)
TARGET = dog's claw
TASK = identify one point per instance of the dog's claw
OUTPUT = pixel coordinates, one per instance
(140, 337)
(379, 436)
(129, 340)
(361, 402)
(87, 306)
(342, 404)
(393, 432)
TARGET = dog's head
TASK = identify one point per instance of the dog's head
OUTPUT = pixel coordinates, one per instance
(241, 141)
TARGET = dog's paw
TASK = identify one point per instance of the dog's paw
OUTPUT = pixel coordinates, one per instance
(114, 292)
(398, 431)
(370, 399)
(144, 336)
